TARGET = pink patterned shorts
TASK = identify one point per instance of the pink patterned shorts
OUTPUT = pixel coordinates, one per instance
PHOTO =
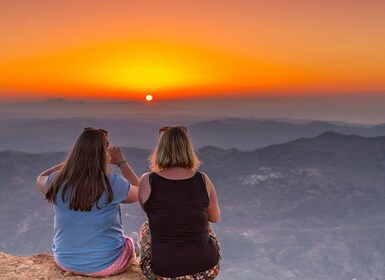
(119, 266)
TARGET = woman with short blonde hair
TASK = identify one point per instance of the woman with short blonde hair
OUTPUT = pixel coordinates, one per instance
(177, 241)
(174, 149)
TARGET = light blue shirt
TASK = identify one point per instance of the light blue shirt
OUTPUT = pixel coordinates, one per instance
(90, 241)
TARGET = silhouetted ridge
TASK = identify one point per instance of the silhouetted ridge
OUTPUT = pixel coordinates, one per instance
(331, 135)
(60, 101)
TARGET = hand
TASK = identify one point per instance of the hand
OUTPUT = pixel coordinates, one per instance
(116, 155)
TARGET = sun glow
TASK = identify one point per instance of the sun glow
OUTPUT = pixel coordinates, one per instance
(150, 67)
(132, 69)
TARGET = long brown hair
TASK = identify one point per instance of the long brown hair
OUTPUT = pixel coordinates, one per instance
(174, 149)
(84, 175)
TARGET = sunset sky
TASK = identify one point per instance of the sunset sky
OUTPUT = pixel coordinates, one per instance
(124, 49)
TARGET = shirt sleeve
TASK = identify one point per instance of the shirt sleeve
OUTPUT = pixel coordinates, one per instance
(120, 187)
(50, 179)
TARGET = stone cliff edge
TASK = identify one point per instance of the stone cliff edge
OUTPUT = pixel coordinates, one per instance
(43, 267)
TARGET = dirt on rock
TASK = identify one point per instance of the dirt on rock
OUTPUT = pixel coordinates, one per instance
(43, 267)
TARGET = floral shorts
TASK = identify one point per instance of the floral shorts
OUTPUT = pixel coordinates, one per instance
(145, 258)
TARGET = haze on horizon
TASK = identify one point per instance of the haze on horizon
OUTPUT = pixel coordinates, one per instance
(353, 109)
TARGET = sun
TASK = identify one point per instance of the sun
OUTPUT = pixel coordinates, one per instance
(149, 97)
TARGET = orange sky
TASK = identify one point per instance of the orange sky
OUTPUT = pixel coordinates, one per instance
(126, 49)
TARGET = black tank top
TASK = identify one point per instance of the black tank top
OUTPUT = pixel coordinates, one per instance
(176, 211)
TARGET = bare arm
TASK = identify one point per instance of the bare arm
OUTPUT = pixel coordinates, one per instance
(213, 211)
(144, 189)
(132, 194)
(117, 158)
(41, 180)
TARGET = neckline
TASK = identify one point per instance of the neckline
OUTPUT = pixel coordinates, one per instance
(185, 179)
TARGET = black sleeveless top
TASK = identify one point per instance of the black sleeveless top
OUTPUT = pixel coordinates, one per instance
(176, 211)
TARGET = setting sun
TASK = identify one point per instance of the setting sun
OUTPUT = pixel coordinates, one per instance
(149, 97)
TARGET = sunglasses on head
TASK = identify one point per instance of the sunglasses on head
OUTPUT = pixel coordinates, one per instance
(103, 131)
(165, 128)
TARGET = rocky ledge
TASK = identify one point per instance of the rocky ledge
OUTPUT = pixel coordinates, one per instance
(43, 267)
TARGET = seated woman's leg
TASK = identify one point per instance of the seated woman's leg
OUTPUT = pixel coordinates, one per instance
(213, 272)
(145, 251)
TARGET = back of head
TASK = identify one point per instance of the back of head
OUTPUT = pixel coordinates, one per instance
(174, 149)
(90, 149)
(84, 173)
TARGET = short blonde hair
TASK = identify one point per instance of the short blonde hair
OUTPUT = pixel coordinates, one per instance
(174, 149)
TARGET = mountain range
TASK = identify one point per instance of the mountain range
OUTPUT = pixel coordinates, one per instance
(311, 208)
(52, 135)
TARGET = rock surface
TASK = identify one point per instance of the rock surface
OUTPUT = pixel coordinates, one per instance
(43, 267)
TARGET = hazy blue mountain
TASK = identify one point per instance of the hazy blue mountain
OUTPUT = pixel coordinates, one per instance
(51, 135)
(47, 135)
(312, 208)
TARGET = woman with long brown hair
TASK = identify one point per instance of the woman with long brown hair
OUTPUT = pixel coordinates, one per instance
(89, 238)
(177, 241)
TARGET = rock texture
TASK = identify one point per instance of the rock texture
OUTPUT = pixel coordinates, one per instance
(43, 267)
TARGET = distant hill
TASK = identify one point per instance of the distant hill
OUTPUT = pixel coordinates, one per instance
(312, 208)
(51, 135)
(246, 134)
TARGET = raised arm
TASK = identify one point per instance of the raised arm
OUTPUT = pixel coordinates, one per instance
(41, 180)
(213, 211)
(117, 157)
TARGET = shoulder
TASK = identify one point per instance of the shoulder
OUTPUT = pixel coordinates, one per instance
(114, 177)
(145, 178)
(204, 176)
(51, 177)
(144, 188)
(117, 180)
(208, 183)
(146, 175)
(43, 182)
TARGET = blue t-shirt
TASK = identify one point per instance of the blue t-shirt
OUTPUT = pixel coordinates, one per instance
(90, 241)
